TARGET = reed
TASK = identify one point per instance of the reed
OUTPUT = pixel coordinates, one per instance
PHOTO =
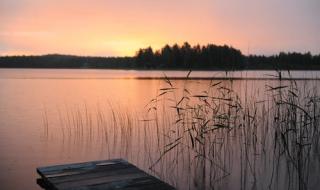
(270, 139)
(217, 136)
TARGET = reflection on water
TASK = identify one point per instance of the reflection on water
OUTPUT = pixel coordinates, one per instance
(195, 134)
(136, 74)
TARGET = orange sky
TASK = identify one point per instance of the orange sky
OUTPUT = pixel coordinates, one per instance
(120, 27)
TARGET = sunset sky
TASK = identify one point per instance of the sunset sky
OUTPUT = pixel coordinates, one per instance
(120, 27)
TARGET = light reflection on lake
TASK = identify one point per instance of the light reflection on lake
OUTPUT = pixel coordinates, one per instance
(63, 116)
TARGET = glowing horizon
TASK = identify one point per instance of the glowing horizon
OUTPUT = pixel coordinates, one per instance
(120, 28)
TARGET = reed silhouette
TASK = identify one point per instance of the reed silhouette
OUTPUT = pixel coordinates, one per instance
(215, 137)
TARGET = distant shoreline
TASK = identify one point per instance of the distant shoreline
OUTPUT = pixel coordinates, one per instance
(198, 58)
(123, 74)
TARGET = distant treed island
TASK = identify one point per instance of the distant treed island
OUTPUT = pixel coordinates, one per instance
(185, 57)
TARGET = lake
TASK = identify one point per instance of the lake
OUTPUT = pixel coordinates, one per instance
(234, 130)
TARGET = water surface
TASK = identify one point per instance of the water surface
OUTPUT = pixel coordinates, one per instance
(50, 116)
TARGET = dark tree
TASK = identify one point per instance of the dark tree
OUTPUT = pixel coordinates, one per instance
(186, 57)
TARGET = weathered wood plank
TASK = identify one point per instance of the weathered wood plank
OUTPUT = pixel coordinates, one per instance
(83, 171)
(98, 175)
(51, 170)
(145, 183)
(94, 174)
(100, 180)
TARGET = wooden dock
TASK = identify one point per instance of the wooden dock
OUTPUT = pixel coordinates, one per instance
(98, 175)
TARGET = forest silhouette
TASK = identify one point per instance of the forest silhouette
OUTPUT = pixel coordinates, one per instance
(175, 57)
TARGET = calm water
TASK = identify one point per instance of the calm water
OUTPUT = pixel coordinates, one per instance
(62, 116)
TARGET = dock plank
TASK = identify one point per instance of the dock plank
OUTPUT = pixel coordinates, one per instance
(98, 175)
(95, 174)
(58, 169)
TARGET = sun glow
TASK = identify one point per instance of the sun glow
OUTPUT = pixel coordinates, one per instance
(120, 28)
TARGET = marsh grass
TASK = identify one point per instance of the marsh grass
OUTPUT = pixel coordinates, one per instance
(218, 136)
(271, 143)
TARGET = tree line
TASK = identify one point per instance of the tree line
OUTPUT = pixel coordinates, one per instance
(187, 57)
(184, 57)
(65, 61)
